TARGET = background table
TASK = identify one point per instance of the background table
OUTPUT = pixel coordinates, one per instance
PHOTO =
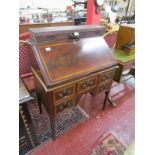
(27, 139)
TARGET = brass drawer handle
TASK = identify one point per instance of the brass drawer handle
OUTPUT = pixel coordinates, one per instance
(91, 83)
(67, 91)
(88, 84)
(64, 93)
(61, 95)
(61, 107)
(66, 104)
(106, 76)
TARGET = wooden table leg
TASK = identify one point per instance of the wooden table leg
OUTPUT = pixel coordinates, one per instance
(52, 122)
(105, 99)
(39, 103)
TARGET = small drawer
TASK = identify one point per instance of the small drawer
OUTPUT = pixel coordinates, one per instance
(63, 93)
(104, 86)
(63, 105)
(107, 75)
(87, 84)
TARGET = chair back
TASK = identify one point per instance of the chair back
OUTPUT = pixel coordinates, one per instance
(24, 59)
(111, 38)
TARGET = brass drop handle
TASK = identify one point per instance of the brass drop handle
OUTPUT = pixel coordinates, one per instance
(85, 85)
(61, 107)
(66, 104)
(89, 83)
(67, 91)
(60, 95)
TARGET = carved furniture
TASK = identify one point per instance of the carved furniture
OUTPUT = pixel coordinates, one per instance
(27, 139)
(68, 62)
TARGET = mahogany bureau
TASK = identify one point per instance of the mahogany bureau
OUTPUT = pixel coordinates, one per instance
(68, 62)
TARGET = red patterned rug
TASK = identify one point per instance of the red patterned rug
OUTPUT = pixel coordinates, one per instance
(109, 145)
(64, 121)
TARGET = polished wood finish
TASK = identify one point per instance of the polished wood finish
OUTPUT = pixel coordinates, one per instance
(65, 104)
(27, 139)
(66, 69)
(63, 93)
(64, 33)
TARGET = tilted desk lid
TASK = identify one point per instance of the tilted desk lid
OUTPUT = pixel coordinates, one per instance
(71, 59)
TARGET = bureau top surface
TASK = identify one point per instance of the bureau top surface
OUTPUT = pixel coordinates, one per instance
(64, 29)
(63, 61)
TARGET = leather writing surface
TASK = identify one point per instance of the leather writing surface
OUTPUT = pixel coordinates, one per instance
(70, 59)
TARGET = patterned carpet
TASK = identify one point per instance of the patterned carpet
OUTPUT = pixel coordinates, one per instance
(65, 120)
(109, 145)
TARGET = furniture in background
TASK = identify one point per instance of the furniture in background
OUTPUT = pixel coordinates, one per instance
(126, 65)
(69, 62)
(125, 59)
(111, 38)
(25, 61)
(27, 139)
(125, 51)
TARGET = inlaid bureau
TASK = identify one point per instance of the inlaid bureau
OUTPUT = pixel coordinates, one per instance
(68, 62)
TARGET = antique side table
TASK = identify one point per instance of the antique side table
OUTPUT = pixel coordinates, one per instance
(125, 63)
(27, 139)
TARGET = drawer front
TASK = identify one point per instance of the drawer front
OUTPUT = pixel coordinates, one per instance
(63, 93)
(107, 75)
(86, 84)
(104, 86)
(63, 105)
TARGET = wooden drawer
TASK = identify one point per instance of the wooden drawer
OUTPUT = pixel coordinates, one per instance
(86, 84)
(63, 105)
(107, 75)
(104, 86)
(63, 93)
